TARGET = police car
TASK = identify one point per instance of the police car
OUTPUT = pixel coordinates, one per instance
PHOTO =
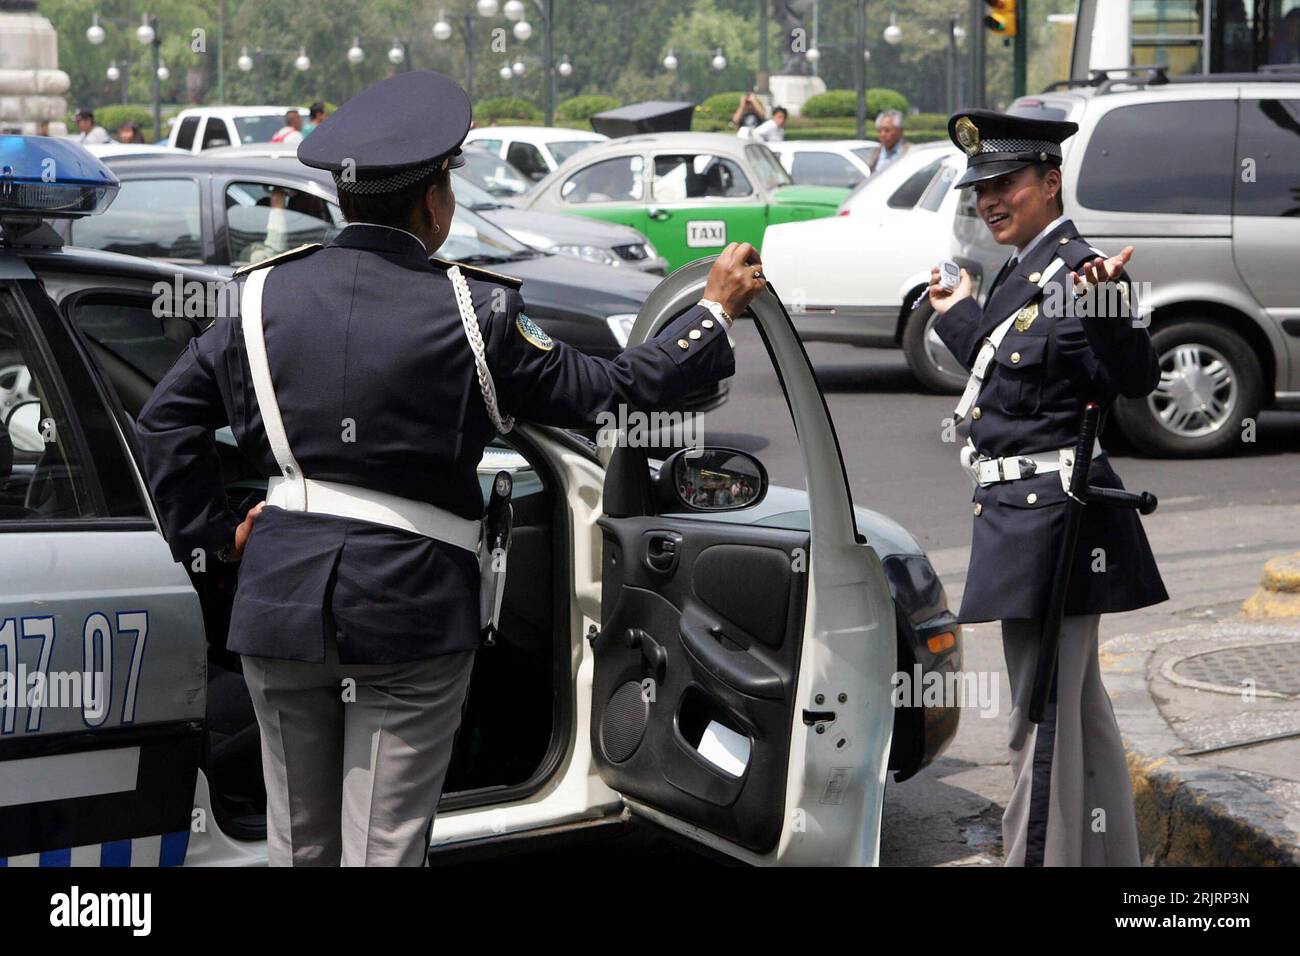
(721, 669)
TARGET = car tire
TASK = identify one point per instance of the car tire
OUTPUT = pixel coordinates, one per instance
(1210, 355)
(936, 371)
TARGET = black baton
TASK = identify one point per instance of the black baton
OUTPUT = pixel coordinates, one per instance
(1078, 494)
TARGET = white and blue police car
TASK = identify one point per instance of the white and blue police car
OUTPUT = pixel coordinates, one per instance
(719, 663)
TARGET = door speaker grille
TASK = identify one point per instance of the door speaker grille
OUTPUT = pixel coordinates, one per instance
(623, 724)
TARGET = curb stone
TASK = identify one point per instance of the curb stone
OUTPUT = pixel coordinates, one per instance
(1189, 814)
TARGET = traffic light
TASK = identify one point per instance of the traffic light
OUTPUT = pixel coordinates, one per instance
(1001, 18)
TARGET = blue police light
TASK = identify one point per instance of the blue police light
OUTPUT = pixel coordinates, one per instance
(46, 178)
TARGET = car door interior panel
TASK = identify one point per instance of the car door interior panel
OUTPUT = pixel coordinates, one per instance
(699, 643)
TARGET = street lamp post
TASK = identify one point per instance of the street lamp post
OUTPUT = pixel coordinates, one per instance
(860, 67)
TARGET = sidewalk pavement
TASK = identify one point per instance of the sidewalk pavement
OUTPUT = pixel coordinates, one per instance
(1210, 715)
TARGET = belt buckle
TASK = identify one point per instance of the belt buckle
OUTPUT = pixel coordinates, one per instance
(1028, 467)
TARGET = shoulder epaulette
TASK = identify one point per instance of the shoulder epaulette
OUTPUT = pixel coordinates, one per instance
(282, 257)
(476, 272)
(1077, 251)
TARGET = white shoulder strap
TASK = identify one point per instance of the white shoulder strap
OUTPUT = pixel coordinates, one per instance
(250, 309)
(469, 320)
(989, 349)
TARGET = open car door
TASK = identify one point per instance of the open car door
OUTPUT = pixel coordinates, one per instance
(741, 688)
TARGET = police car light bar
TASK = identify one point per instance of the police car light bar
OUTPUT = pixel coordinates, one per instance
(46, 178)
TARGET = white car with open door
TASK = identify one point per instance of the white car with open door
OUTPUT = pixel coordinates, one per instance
(679, 639)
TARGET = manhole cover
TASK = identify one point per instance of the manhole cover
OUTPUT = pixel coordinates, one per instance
(1271, 668)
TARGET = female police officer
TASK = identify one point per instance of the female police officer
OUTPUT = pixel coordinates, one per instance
(1042, 344)
(365, 380)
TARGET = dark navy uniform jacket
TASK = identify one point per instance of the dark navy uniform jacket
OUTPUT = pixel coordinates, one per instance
(365, 342)
(1033, 405)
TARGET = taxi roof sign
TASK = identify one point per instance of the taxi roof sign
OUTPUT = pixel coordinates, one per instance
(42, 177)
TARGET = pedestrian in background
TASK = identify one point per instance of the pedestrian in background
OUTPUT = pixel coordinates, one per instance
(291, 133)
(749, 114)
(772, 131)
(315, 116)
(889, 129)
(88, 133)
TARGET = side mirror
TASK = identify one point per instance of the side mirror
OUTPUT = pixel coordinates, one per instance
(24, 427)
(712, 479)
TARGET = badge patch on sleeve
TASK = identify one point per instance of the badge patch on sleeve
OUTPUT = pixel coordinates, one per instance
(531, 331)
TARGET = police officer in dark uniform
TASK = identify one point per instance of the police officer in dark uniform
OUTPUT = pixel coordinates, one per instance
(1056, 329)
(364, 379)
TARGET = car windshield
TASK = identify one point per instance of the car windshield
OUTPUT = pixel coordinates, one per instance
(767, 167)
(473, 240)
(468, 193)
(493, 174)
(258, 129)
(562, 151)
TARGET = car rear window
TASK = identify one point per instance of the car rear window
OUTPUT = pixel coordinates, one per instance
(767, 167)
(258, 129)
(1190, 174)
(907, 195)
(562, 151)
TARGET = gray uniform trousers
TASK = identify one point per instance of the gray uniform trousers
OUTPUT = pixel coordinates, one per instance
(1072, 803)
(354, 773)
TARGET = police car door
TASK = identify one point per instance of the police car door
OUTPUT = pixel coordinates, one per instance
(741, 689)
(101, 638)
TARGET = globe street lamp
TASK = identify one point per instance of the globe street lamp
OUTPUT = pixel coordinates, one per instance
(719, 61)
(893, 33)
(355, 53)
(396, 54)
(487, 8)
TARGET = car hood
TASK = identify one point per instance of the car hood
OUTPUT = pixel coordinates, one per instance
(830, 196)
(559, 229)
(599, 290)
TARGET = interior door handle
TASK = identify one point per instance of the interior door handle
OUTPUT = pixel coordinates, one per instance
(657, 214)
(739, 670)
(662, 549)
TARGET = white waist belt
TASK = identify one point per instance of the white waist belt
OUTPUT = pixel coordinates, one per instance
(366, 504)
(991, 471)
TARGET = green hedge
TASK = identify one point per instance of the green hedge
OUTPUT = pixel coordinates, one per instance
(841, 103)
(850, 132)
(719, 107)
(506, 107)
(585, 107)
(937, 121)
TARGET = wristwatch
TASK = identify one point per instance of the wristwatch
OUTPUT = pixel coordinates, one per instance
(717, 309)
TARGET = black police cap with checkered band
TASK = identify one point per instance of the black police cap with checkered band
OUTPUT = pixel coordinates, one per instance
(999, 143)
(391, 134)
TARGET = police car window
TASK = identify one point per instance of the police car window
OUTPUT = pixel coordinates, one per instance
(527, 158)
(493, 174)
(611, 180)
(1269, 148)
(258, 129)
(490, 144)
(909, 194)
(697, 176)
(936, 191)
(130, 329)
(824, 169)
(767, 168)
(265, 219)
(1195, 169)
(154, 218)
(185, 135)
(43, 461)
